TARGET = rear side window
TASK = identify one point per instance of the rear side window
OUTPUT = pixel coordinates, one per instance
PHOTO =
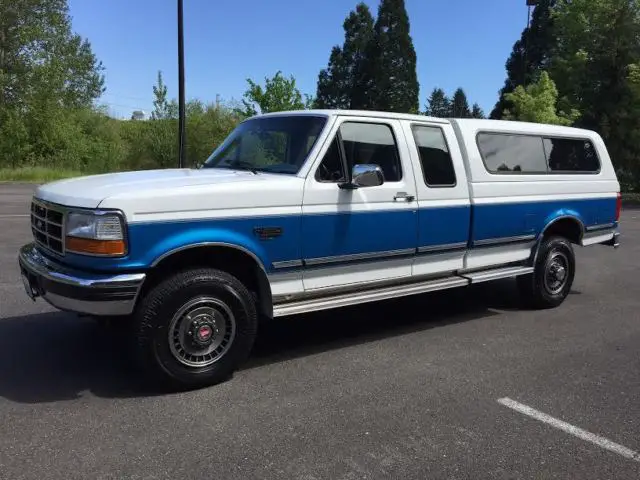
(569, 155)
(504, 153)
(437, 166)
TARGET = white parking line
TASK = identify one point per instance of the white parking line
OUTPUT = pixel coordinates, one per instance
(568, 428)
(17, 215)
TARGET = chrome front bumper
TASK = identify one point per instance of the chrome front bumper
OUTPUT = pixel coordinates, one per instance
(77, 291)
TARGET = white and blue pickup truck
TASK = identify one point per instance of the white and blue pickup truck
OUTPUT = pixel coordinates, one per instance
(309, 210)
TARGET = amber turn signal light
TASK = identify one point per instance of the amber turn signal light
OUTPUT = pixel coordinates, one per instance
(95, 247)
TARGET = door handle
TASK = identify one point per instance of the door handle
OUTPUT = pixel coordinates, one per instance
(403, 196)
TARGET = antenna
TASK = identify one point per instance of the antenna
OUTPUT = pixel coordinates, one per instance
(181, 134)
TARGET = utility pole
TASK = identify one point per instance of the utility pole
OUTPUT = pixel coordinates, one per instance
(530, 3)
(181, 114)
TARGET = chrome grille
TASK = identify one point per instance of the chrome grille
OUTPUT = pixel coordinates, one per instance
(47, 227)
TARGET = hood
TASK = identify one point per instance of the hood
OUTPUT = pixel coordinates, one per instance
(90, 191)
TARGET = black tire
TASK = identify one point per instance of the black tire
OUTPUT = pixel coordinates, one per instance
(542, 289)
(230, 305)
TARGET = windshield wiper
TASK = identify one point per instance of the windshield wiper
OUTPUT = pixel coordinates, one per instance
(241, 165)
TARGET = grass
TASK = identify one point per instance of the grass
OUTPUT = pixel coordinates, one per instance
(36, 174)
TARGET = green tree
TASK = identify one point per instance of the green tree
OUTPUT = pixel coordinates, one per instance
(477, 112)
(339, 83)
(162, 109)
(331, 91)
(389, 77)
(460, 105)
(594, 64)
(537, 103)
(279, 94)
(438, 105)
(47, 75)
(41, 57)
(530, 54)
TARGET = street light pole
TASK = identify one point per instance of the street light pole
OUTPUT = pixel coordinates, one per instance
(181, 114)
(530, 3)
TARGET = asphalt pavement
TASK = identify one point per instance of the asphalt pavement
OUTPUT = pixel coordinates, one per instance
(461, 384)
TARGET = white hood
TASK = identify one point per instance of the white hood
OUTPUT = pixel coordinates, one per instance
(90, 191)
(151, 195)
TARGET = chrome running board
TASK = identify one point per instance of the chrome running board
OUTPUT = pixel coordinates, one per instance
(374, 294)
(355, 298)
(495, 274)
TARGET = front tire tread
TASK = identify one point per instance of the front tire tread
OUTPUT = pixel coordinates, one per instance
(153, 316)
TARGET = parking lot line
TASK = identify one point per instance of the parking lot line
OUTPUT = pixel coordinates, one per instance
(14, 215)
(568, 428)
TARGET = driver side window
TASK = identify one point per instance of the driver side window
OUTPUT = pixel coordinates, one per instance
(363, 143)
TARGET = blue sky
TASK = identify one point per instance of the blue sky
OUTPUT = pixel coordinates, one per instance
(458, 43)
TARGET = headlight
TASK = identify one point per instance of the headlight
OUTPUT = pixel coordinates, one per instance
(95, 234)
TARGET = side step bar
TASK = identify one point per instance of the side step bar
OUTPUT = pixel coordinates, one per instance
(496, 274)
(395, 291)
(347, 299)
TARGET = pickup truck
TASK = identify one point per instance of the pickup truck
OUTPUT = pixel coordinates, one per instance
(309, 210)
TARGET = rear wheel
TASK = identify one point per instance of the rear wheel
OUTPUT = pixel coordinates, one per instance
(195, 328)
(553, 274)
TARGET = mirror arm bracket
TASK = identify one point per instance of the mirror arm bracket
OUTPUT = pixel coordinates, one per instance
(349, 185)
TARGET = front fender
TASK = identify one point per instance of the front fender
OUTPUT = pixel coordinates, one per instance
(150, 241)
(149, 245)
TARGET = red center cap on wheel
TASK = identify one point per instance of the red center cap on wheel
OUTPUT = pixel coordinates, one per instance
(204, 332)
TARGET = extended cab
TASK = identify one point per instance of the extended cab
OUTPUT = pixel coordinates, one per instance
(302, 211)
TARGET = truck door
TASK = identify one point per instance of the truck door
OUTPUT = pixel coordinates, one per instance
(444, 210)
(363, 235)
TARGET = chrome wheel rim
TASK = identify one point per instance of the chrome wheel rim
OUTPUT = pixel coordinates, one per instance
(201, 332)
(556, 272)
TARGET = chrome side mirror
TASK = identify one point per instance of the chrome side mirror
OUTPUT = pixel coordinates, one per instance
(367, 175)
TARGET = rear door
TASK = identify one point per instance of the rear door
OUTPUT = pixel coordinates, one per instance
(443, 205)
(365, 235)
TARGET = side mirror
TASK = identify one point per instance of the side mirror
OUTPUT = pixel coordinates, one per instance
(367, 175)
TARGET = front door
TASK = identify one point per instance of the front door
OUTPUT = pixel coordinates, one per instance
(362, 235)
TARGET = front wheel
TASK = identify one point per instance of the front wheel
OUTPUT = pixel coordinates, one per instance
(553, 274)
(195, 328)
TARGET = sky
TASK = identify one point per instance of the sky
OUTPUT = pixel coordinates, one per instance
(459, 43)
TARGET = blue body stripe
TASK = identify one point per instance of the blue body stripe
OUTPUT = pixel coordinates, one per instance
(327, 235)
(516, 219)
(443, 225)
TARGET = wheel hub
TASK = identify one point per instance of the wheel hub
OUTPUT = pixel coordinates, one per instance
(556, 272)
(201, 332)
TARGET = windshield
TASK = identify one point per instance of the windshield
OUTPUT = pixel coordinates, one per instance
(278, 144)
